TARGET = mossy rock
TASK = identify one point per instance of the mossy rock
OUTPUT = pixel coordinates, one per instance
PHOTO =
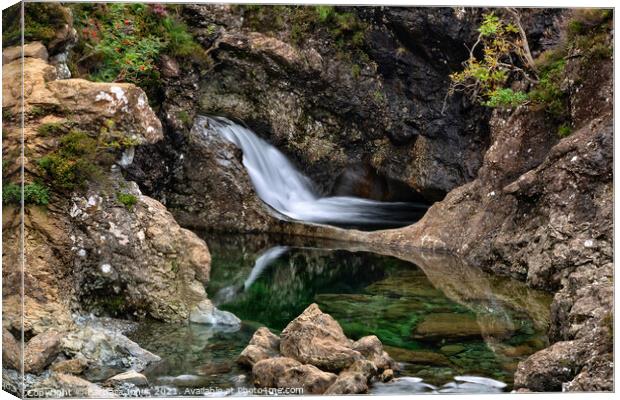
(424, 357)
(453, 326)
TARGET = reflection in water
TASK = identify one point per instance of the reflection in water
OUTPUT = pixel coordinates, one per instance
(451, 327)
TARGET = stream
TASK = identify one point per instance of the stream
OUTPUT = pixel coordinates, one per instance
(451, 327)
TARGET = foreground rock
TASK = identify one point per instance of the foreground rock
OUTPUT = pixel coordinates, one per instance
(41, 350)
(314, 354)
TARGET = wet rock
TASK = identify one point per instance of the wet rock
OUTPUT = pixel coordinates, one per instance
(387, 375)
(11, 351)
(102, 347)
(349, 383)
(316, 338)
(131, 377)
(364, 367)
(283, 372)
(74, 366)
(372, 348)
(320, 348)
(206, 313)
(253, 354)
(263, 345)
(41, 350)
(549, 369)
(64, 385)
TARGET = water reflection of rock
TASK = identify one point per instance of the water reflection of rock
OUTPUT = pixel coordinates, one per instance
(465, 320)
(495, 300)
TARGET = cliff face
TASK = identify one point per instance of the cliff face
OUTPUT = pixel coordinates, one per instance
(91, 241)
(541, 210)
(365, 119)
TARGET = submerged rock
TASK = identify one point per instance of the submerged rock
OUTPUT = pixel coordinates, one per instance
(453, 326)
(206, 313)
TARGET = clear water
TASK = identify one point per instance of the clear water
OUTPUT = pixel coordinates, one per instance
(452, 328)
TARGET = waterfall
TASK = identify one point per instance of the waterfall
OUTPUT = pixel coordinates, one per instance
(279, 184)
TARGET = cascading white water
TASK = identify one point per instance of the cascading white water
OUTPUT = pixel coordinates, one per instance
(279, 184)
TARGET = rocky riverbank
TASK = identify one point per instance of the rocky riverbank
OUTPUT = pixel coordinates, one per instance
(93, 243)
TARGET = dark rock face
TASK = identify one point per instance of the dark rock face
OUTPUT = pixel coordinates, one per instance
(330, 109)
(541, 210)
(307, 101)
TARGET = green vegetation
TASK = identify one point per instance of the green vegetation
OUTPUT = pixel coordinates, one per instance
(76, 160)
(484, 80)
(41, 22)
(356, 71)
(564, 130)
(34, 193)
(184, 117)
(548, 91)
(127, 199)
(53, 128)
(505, 97)
(345, 28)
(506, 57)
(122, 42)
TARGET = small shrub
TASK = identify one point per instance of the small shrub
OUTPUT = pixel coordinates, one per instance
(75, 161)
(506, 97)
(34, 193)
(484, 79)
(379, 96)
(356, 71)
(564, 130)
(548, 91)
(122, 42)
(127, 199)
(41, 22)
(184, 117)
(52, 128)
(11, 193)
